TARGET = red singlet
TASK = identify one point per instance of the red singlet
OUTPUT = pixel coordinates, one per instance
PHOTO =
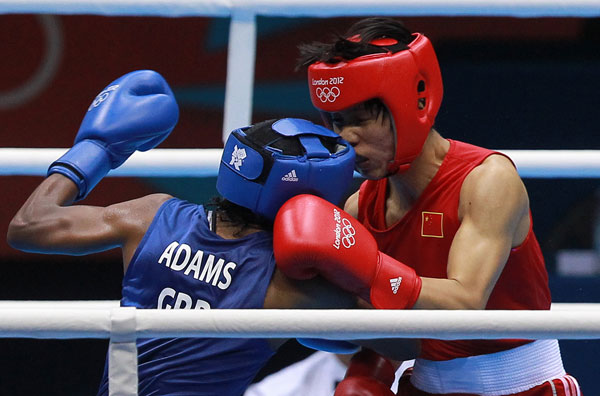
(422, 240)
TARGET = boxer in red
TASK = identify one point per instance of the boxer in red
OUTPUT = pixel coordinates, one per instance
(438, 224)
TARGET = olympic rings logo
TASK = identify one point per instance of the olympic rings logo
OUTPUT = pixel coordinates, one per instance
(348, 239)
(327, 94)
(102, 96)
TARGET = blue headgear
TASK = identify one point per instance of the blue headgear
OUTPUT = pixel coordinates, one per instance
(266, 164)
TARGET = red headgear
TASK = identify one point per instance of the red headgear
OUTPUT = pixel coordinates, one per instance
(398, 79)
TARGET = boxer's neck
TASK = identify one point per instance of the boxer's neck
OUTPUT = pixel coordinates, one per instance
(227, 229)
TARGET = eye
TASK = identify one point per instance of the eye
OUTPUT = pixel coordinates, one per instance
(337, 121)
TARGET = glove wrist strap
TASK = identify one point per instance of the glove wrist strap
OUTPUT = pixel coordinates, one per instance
(396, 285)
(86, 163)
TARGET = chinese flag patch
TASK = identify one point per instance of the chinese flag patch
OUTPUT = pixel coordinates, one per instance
(432, 224)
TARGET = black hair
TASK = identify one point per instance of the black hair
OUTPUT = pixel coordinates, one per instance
(341, 48)
(374, 107)
(237, 215)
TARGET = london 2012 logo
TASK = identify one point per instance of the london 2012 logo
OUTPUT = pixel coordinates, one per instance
(327, 94)
(327, 89)
(343, 230)
(237, 157)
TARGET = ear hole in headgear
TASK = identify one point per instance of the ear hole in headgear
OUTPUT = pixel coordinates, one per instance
(421, 102)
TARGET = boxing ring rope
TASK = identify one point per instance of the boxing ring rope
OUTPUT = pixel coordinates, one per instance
(294, 8)
(205, 162)
(94, 319)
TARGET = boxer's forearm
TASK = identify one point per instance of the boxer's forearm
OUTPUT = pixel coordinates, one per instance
(47, 223)
(32, 224)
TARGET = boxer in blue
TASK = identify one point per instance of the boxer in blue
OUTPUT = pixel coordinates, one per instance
(180, 255)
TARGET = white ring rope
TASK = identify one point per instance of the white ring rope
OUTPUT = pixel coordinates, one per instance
(316, 8)
(157, 162)
(39, 321)
(205, 162)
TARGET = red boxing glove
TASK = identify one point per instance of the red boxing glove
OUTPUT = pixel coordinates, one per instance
(369, 374)
(314, 237)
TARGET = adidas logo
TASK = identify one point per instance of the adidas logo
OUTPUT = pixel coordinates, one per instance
(291, 176)
(395, 283)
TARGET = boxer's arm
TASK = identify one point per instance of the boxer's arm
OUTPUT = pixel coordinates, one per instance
(317, 293)
(47, 224)
(134, 113)
(351, 205)
(494, 214)
(287, 293)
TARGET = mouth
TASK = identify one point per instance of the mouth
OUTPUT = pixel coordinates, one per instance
(360, 159)
(361, 163)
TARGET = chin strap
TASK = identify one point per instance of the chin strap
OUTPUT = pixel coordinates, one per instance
(394, 168)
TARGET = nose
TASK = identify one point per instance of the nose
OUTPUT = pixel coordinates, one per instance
(349, 134)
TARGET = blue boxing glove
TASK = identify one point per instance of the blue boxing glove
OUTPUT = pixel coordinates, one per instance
(135, 112)
(333, 346)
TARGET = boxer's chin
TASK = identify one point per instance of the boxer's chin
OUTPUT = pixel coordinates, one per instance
(371, 170)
